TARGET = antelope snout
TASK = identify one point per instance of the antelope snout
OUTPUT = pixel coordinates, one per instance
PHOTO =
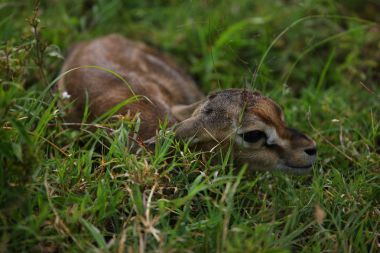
(309, 148)
(311, 153)
(304, 150)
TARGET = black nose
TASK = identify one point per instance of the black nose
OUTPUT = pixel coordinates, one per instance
(311, 151)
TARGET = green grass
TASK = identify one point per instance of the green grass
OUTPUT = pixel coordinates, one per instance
(68, 190)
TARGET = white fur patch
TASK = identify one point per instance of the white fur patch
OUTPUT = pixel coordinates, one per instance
(273, 137)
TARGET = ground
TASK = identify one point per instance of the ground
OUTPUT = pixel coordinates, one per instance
(320, 59)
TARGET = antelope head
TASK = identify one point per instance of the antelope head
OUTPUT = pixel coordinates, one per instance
(253, 124)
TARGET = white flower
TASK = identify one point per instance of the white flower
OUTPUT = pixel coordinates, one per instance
(65, 95)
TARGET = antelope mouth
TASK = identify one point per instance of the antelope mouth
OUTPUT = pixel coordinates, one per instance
(296, 170)
(299, 167)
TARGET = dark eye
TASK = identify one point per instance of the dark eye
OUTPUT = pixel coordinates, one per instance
(253, 136)
(208, 110)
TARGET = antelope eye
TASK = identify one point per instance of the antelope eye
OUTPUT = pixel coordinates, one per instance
(208, 110)
(253, 136)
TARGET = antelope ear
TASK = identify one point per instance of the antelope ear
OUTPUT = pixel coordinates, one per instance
(183, 112)
(189, 128)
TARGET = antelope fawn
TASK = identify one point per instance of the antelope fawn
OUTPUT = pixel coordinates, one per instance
(252, 123)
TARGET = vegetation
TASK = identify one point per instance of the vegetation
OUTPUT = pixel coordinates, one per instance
(320, 59)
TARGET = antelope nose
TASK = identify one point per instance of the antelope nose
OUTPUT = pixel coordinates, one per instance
(310, 151)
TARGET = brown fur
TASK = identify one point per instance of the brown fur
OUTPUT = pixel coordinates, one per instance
(218, 120)
(148, 72)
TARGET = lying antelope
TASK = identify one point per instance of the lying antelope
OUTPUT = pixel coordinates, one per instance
(252, 123)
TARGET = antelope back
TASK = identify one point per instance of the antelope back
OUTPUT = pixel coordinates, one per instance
(147, 73)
